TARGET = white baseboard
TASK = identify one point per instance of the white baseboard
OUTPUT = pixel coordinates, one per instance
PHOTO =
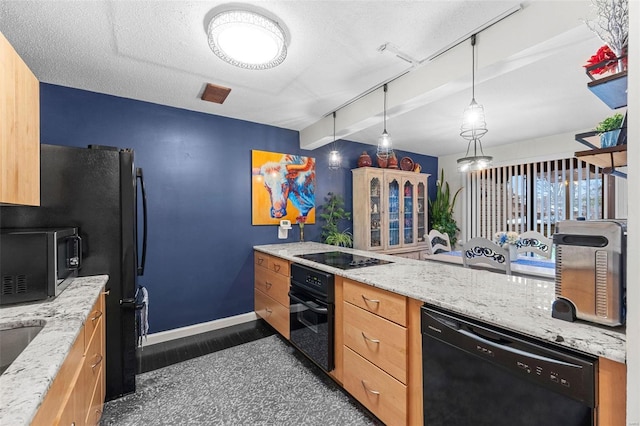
(177, 333)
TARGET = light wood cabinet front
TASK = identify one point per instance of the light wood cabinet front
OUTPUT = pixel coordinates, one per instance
(19, 130)
(381, 341)
(272, 263)
(272, 312)
(76, 395)
(273, 285)
(385, 396)
(388, 305)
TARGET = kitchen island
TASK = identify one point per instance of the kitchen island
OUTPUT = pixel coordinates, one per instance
(24, 385)
(518, 304)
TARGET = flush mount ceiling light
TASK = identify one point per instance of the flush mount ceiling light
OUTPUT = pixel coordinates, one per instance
(334, 156)
(384, 141)
(247, 40)
(473, 127)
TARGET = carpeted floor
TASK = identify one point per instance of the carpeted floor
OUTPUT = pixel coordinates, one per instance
(264, 382)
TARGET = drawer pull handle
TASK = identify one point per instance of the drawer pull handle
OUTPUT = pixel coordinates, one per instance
(260, 260)
(364, 385)
(367, 300)
(276, 267)
(106, 293)
(269, 311)
(268, 285)
(99, 360)
(370, 339)
(96, 316)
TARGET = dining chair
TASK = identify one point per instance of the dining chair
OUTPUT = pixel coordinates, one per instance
(438, 242)
(535, 242)
(483, 251)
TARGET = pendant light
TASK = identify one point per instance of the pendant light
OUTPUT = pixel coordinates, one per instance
(334, 155)
(473, 127)
(384, 141)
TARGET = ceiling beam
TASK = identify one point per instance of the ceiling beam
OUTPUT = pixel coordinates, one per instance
(513, 42)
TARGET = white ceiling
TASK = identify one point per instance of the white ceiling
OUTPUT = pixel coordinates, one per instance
(157, 51)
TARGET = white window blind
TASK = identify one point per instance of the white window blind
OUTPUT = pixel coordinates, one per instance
(533, 196)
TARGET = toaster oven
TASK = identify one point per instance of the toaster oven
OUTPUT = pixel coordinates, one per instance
(37, 263)
(590, 271)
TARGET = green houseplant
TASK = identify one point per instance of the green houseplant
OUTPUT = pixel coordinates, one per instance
(332, 212)
(441, 210)
(609, 130)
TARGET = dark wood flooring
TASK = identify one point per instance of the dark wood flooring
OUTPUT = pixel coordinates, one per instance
(163, 354)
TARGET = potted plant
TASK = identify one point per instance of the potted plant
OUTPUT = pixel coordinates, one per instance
(609, 130)
(332, 212)
(441, 210)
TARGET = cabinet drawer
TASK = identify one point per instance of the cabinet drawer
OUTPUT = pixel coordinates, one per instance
(93, 322)
(272, 312)
(272, 263)
(380, 341)
(95, 403)
(383, 395)
(381, 302)
(273, 285)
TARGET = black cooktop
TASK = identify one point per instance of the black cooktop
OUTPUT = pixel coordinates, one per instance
(341, 260)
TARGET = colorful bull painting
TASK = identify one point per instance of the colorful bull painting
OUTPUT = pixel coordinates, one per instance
(283, 187)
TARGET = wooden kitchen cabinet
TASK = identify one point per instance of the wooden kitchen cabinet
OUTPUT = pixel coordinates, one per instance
(76, 395)
(375, 350)
(271, 291)
(19, 130)
(390, 211)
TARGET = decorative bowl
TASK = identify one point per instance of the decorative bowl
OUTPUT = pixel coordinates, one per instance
(406, 164)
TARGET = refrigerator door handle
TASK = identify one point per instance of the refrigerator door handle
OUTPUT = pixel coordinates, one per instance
(140, 267)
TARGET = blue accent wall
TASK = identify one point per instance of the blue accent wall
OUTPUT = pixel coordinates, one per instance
(197, 170)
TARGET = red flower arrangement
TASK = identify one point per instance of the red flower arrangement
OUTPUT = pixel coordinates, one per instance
(608, 59)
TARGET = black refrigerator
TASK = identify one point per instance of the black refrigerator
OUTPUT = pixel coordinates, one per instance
(96, 190)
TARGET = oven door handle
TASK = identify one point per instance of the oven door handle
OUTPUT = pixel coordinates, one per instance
(323, 311)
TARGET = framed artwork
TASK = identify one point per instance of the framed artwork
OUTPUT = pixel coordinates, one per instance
(282, 187)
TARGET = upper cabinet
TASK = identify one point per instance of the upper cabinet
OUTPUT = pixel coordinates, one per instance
(19, 130)
(390, 211)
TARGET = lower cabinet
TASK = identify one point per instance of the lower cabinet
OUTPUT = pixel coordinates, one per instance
(76, 395)
(271, 291)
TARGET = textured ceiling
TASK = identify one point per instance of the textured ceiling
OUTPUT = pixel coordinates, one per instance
(157, 51)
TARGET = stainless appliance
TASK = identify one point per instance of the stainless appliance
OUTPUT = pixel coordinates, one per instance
(312, 314)
(590, 271)
(96, 190)
(476, 374)
(342, 260)
(37, 263)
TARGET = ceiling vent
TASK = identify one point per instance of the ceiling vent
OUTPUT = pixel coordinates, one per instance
(215, 93)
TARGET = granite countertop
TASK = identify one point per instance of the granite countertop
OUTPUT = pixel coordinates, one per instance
(25, 383)
(515, 303)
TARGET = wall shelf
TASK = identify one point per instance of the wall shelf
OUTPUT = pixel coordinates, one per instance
(606, 158)
(612, 89)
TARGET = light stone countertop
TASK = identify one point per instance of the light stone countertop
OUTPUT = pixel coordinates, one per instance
(26, 381)
(515, 303)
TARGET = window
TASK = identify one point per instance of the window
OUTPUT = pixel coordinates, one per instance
(532, 196)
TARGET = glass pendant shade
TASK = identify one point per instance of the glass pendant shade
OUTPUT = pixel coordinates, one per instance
(385, 147)
(247, 40)
(335, 160)
(474, 125)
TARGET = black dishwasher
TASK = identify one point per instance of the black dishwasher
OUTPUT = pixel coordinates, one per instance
(476, 374)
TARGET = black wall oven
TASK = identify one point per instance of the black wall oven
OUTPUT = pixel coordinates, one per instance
(311, 313)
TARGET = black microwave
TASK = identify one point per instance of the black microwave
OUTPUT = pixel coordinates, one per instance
(37, 264)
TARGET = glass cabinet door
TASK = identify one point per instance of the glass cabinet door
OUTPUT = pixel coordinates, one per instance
(393, 213)
(408, 219)
(375, 219)
(421, 209)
